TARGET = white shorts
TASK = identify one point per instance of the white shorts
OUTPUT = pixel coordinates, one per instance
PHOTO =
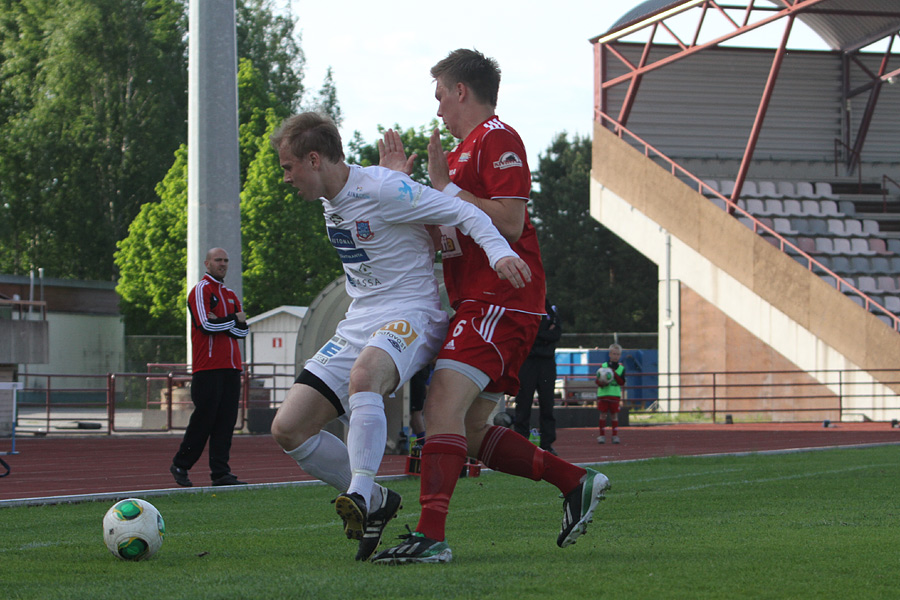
(412, 338)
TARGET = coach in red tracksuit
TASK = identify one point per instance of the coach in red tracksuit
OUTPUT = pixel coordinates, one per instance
(217, 322)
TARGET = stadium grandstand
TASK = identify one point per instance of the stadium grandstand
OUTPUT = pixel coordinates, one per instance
(765, 184)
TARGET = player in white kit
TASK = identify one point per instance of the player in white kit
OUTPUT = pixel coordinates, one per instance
(376, 220)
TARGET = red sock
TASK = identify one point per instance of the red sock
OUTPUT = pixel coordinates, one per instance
(443, 457)
(506, 451)
(615, 426)
(602, 426)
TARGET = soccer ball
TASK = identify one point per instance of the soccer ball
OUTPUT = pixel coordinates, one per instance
(133, 529)
(605, 374)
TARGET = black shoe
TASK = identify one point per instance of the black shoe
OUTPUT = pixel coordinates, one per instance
(352, 509)
(228, 479)
(415, 548)
(181, 476)
(377, 521)
(550, 450)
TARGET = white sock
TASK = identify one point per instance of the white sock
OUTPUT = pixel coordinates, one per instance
(325, 457)
(365, 441)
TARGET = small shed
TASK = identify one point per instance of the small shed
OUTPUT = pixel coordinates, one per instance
(270, 347)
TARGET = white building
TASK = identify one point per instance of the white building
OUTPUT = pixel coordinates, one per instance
(271, 346)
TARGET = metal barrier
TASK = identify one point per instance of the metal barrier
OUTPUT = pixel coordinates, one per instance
(789, 395)
(156, 402)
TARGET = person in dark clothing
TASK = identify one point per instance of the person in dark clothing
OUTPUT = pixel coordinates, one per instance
(539, 373)
(217, 323)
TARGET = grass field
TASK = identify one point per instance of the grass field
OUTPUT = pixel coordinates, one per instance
(803, 525)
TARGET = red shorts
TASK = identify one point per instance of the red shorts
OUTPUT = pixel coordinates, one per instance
(494, 340)
(608, 404)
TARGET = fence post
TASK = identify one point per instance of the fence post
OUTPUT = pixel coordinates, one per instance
(110, 402)
(169, 399)
(714, 399)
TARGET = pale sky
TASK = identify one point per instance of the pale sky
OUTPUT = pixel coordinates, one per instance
(381, 54)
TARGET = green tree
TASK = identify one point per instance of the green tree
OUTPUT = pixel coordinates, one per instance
(415, 141)
(154, 299)
(598, 281)
(287, 256)
(94, 92)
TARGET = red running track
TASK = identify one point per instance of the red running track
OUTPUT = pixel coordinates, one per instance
(102, 464)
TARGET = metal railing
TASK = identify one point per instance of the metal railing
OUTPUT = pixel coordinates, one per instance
(788, 395)
(119, 403)
(778, 240)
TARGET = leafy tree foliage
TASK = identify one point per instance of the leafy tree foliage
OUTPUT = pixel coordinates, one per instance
(93, 93)
(287, 256)
(415, 141)
(598, 282)
(152, 260)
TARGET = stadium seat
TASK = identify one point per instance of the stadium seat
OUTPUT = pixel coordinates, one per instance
(767, 189)
(824, 245)
(878, 246)
(857, 299)
(811, 208)
(756, 207)
(750, 190)
(808, 245)
(835, 227)
(842, 246)
(870, 226)
(853, 227)
(841, 265)
(857, 246)
(786, 189)
(823, 190)
(726, 188)
(783, 226)
(718, 202)
(805, 190)
(860, 264)
(793, 208)
(880, 264)
(713, 184)
(894, 245)
(895, 264)
(829, 208)
(775, 208)
(886, 284)
(847, 207)
(892, 303)
(867, 284)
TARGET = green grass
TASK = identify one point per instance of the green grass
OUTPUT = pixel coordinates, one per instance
(806, 525)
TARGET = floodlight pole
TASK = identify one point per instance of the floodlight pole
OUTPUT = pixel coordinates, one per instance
(214, 204)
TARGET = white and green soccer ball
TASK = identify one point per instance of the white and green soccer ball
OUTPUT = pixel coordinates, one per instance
(605, 374)
(133, 529)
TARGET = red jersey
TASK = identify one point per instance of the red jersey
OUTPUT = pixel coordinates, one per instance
(490, 163)
(215, 340)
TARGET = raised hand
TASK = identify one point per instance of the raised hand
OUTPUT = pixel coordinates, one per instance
(392, 155)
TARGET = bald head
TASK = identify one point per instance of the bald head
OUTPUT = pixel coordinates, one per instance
(217, 263)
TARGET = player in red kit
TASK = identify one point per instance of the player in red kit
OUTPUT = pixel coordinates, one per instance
(493, 328)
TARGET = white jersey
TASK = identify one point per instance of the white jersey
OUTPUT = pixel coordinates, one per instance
(376, 224)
